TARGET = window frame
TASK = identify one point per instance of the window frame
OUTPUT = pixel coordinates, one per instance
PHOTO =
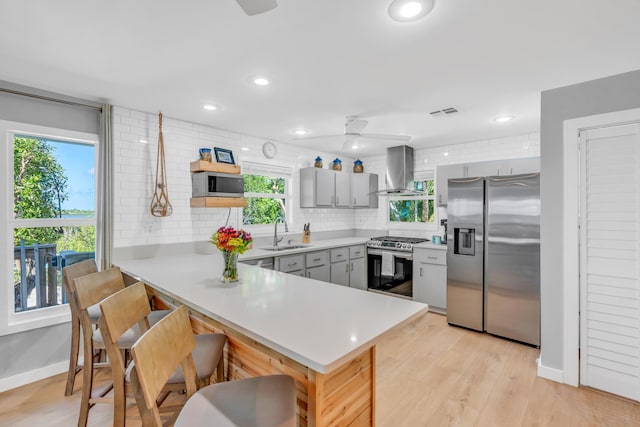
(11, 322)
(424, 175)
(270, 170)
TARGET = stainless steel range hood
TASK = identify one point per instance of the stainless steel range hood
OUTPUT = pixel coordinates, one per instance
(399, 171)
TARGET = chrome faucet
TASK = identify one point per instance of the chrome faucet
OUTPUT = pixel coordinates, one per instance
(275, 230)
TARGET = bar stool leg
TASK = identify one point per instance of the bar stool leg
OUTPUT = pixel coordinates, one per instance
(73, 356)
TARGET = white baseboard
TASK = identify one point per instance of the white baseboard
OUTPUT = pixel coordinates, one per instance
(550, 373)
(32, 376)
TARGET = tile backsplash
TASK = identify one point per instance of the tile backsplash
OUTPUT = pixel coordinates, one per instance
(135, 164)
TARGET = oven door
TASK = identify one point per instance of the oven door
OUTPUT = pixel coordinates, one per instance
(390, 271)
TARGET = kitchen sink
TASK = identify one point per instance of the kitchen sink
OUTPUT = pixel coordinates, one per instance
(283, 247)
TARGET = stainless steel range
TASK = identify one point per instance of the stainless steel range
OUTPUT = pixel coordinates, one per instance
(390, 265)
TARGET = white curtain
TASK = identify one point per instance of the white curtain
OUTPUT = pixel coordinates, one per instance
(104, 213)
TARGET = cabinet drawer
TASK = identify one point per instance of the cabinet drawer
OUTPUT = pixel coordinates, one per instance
(431, 256)
(315, 259)
(356, 252)
(339, 254)
(291, 263)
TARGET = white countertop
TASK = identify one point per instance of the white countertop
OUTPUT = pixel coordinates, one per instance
(318, 324)
(257, 252)
(429, 245)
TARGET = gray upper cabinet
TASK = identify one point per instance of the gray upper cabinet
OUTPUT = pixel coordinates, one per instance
(489, 168)
(443, 173)
(342, 189)
(317, 187)
(320, 188)
(363, 190)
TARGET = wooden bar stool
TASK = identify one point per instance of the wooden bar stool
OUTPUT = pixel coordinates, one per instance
(129, 307)
(70, 273)
(89, 291)
(268, 401)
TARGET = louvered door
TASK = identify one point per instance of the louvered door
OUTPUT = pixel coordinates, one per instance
(609, 260)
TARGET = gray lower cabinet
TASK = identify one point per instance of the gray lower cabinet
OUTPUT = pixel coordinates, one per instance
(347, 266)
(340, 266)
(314, 265)
(292, 264)
(430, 278)
(317, 265)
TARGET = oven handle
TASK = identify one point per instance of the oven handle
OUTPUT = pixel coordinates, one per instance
(405, 255)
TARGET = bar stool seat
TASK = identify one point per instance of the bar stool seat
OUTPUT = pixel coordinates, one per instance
(260, 402)
(131, 335)
(268, 401)
(125, 314)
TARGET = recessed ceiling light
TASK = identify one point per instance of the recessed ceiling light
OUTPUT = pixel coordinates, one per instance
(300, 132)
(210, 107)
(504, 119)
(260, 81)
(143, 141)
(410, 10)
(445, 154)
(245, 149)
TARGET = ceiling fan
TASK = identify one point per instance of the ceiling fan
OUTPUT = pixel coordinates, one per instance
(255, 7)
(353, 133)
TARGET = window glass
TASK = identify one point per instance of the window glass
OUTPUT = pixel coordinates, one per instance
(414, 208)
(53, 216)
(265, 197)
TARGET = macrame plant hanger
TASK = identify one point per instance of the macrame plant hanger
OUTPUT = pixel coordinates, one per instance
(160, 204)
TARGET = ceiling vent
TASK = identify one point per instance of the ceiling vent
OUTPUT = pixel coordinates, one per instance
(449, 111)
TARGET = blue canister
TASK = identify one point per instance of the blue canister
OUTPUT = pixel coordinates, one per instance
(436, 240)
(205, 154)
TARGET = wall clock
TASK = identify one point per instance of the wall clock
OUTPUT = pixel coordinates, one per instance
(269, 150)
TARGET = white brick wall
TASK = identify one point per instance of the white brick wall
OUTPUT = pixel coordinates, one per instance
(135, 165)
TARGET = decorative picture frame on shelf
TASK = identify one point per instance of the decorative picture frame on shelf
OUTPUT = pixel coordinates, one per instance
(224, 156)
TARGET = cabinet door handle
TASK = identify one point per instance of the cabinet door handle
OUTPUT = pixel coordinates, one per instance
(439, 198)
(316, 259)
(498, 172)
(432, 257)
(420, 271)
(339, 256)
(347, 269)
(351, 266)
(511, 171)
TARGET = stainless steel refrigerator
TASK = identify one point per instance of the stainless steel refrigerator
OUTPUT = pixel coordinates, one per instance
(493, 255)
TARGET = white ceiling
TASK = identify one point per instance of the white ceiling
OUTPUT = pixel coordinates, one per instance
(327, 59)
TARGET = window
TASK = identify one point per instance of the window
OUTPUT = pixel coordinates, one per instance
(266, 189)
(419, 208)
(49, 215)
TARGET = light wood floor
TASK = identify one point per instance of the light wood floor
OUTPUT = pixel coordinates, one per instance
(428, 374)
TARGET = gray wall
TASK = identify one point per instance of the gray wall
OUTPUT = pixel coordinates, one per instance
(615, 93)
(26, 351)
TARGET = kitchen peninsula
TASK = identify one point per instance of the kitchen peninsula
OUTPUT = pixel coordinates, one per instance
(321, 334)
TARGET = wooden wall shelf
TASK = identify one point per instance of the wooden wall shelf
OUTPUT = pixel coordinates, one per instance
(204, 166)
(218, 202)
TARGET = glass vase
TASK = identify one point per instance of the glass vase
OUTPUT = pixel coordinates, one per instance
(230, 267)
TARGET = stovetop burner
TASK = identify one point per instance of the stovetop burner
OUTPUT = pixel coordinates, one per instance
(395, 242)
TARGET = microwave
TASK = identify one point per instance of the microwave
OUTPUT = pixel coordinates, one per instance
(215, 184)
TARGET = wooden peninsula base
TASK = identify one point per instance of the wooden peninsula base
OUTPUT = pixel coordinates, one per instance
(343, 397)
